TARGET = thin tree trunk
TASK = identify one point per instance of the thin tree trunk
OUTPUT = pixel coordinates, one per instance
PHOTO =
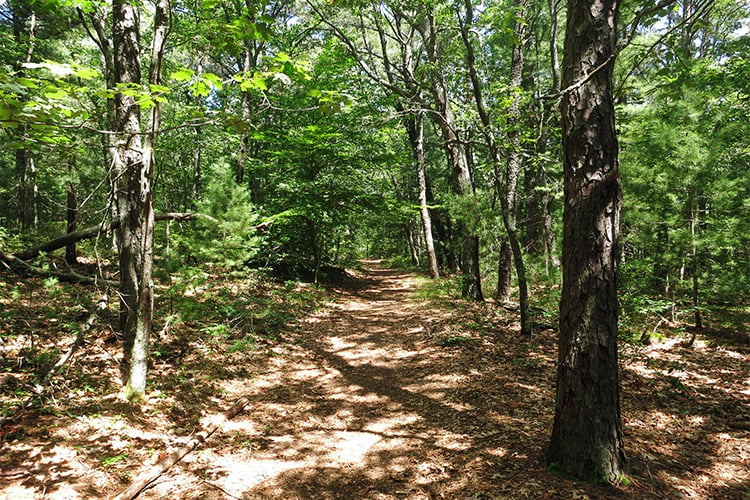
(471, 286)
(28, 190)
(112, 161)
(553, 6)
(197, 167)
(586, 440)
(197, 153)
(71, 202)
(413, 240)
(513, 168)
(694, 267)
(27, 187)
(540, 237)
(504, 271)
(418, 148)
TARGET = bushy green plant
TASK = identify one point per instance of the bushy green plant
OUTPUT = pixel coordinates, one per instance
(228, 236)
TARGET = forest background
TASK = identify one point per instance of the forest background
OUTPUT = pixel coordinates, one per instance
(289, 137)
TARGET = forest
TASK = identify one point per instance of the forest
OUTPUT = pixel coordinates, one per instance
(343, 249)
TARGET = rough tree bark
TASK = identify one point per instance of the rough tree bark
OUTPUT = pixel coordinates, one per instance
(132, 180)
(587, 432)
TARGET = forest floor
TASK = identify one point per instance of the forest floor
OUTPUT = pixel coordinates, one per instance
(378, 393)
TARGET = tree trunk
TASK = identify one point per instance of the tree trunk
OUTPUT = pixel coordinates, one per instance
(471, 286)
(423, 210)
(134, 201)
(141, 184)
(198, 152)
(444, 243)
(504, 270)
(28, 191)
(586, 438)
(513, 167)
(71, 202)
(415, 130)
(111, 160)
(694, 224)
(509, 194)
(412, 237)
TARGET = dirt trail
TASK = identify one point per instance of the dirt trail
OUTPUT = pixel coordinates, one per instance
(381, 395)
(356, 406)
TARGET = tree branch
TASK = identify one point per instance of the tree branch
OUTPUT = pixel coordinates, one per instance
(146, 478)
(91, 232)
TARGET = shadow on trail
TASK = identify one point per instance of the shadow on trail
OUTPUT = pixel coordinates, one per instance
(376, 408)
(385, 412)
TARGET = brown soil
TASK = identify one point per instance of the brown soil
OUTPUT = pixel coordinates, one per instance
(382, 395)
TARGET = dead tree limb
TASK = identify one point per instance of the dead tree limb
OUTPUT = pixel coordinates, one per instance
(147, 477)
(68, 277)
(92, 232)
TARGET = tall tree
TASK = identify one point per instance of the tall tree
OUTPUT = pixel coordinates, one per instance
(133, 181)
(463, 181)
(415, 128)
(24, 33)
(509, 191)
(587, 432)
(513, 168)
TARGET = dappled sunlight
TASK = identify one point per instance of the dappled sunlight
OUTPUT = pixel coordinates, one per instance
(381, 396)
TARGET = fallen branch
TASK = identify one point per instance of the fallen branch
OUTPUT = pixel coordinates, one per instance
(42, 386)
(69, 277)
(145, 479)
(92, 232)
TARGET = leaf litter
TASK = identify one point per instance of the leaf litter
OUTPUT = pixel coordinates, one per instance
(379, 394)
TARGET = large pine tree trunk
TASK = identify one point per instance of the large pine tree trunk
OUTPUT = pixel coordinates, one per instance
(587, 432)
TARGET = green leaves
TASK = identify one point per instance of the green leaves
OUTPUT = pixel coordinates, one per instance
(332, 101)
(60, 70)
(199, 84)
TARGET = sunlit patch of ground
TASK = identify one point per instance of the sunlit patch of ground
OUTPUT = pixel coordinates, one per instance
(381, 395)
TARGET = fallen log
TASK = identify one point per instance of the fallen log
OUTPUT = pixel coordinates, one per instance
(69, 277)
(147, 477)
(92, 232)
